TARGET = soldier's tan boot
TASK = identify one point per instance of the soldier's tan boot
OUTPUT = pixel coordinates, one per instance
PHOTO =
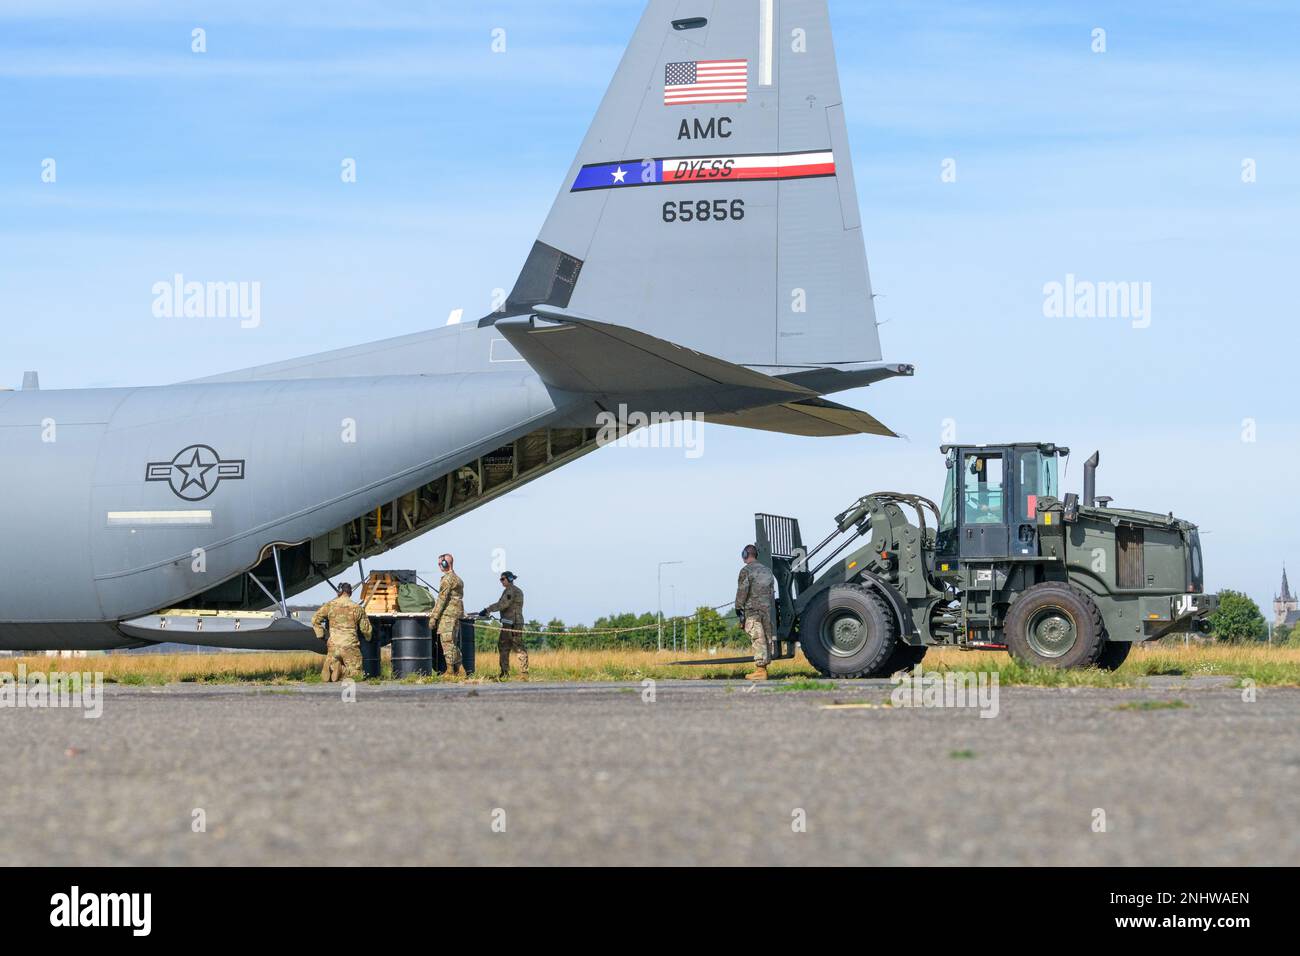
(760, 673)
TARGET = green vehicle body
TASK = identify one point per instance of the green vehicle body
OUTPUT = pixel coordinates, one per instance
(951, 573)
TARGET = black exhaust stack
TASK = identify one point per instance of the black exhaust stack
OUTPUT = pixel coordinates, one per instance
(1090, 479)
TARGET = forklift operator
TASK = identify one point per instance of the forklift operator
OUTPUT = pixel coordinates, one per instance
(984, 505)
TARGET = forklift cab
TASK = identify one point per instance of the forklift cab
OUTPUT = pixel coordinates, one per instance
(989, 509)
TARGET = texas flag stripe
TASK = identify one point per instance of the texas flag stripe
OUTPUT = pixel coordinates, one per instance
(704, 169)
(715, 168)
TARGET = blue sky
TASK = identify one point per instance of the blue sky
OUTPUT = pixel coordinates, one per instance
(1119, 166)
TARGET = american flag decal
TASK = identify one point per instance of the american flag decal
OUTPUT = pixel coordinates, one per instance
(706, 81)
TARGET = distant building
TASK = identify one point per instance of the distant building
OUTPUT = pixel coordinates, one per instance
(60, 654)
(1286, 607)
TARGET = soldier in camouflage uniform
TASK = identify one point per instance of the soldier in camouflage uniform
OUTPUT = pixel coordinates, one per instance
(343, 649)
(447, 612)
(511, 606)
(754, 609)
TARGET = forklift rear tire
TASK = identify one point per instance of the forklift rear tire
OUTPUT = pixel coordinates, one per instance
(1114, 654)
(848, 631)
(1055, 625)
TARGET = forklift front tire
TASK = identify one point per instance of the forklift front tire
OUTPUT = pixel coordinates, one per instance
(848, 631)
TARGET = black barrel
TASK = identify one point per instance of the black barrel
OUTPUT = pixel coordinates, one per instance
(412, 647)
(467, 643)
(466, 649)
(370, 652)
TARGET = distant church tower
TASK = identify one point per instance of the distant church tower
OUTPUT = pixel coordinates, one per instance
(1286, 607)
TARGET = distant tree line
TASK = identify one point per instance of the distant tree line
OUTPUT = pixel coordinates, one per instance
(1239, 620)
(628, 630)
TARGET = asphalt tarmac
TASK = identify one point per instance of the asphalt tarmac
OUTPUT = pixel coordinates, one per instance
(710, 772)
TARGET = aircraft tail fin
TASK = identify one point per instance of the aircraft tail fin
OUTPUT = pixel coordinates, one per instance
(712, 202)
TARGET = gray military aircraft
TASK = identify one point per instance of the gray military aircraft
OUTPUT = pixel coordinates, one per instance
(704, 255)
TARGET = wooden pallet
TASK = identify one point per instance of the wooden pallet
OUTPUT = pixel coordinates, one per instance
(379, 594)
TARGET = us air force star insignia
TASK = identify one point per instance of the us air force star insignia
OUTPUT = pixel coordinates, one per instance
(195, 472)
(619, 174)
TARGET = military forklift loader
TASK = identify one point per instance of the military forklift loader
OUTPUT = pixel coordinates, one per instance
(1002, 562)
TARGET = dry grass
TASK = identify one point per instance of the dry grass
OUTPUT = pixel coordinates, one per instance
(1265, 665)
(1262, 663)
(179, 668)
(1273, 666)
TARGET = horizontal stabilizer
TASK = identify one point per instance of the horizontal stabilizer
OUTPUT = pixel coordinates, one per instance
(579, 354)
(840, 378)
(814, 417)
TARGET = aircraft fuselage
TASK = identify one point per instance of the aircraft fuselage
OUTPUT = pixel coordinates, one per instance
(132, 500)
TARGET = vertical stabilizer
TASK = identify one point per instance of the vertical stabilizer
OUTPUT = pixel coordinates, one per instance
(712, 202)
